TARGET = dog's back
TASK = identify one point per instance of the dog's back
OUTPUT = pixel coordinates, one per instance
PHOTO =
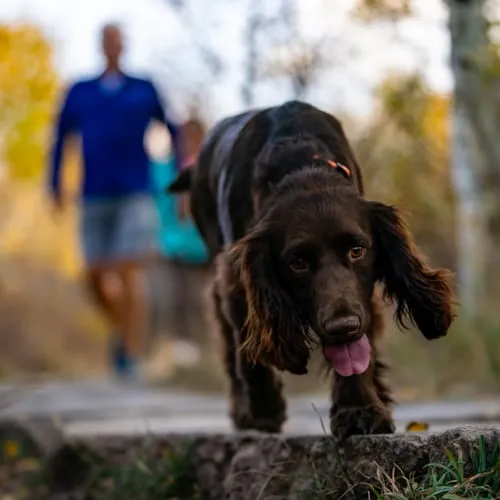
(222, 180)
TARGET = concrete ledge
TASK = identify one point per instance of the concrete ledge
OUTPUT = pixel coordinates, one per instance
(255, 466)
(251, 466)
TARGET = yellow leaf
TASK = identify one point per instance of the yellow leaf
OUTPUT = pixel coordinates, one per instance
(417, 427)
(11, 448)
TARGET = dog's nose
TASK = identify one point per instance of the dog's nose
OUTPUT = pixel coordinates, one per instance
(345, 326)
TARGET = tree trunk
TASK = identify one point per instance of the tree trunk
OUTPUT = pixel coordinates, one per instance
(472, 148)
(479, 93)
(470, 216)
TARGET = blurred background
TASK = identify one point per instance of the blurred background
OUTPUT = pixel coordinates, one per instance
(416, 84)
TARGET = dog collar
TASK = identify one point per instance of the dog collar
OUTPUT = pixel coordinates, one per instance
(335, 164)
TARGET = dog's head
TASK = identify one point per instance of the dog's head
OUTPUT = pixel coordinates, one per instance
(310, 264)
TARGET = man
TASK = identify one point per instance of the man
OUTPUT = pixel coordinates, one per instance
(119, 225)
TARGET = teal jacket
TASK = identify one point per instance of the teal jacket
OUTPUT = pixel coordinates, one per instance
(179, 239)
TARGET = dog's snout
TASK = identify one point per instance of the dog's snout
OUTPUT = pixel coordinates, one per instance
(343, 326)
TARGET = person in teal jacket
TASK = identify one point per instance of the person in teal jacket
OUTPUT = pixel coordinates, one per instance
(179, 238)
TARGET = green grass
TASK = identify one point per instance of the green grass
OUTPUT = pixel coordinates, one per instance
(474, 478)
(477, 480)
(143, 477)
(172, 477)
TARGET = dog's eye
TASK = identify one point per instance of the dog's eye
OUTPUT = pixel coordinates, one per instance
(299, 265)
(356, 253)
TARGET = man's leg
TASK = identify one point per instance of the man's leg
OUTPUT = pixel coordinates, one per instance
(104, 284)
(120, 292)
(134, 241)
(134, 304)
(105, 288)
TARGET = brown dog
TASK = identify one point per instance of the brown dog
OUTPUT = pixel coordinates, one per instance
(278, 197)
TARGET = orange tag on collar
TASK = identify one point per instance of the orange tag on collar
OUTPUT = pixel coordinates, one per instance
(336, 165)
(344, 169)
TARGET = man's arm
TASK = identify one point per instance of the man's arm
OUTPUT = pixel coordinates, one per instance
(174, 130)
(66, 122)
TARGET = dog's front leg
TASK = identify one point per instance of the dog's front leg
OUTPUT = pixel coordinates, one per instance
(256, 391)
(258, 403)
(361, 404)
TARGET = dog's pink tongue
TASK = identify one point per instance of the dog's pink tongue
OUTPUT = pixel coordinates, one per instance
(350, 359)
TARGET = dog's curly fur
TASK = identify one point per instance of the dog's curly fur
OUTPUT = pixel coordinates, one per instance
(281, 225)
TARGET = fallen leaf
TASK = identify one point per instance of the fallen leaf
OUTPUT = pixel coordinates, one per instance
(417, 427)
(11, 448)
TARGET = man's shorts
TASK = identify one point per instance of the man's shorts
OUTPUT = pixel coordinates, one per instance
(119, 229)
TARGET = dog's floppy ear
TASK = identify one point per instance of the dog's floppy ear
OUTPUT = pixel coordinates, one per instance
(423, 295)
(181, 183)
(274, 332)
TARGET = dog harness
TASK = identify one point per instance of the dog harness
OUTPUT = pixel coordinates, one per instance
(224, 184)
(222, 208)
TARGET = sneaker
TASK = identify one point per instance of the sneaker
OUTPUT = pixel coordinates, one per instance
(124, 367)
(128, 368)
(118, 356)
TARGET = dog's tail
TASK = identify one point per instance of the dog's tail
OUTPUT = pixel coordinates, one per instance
(182, 183)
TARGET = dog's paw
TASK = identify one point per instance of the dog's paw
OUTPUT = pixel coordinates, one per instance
(268, 415)
(267, 425)
(245, 420)
(346, 422)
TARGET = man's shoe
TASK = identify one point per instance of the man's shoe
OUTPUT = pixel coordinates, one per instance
(118, 356)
